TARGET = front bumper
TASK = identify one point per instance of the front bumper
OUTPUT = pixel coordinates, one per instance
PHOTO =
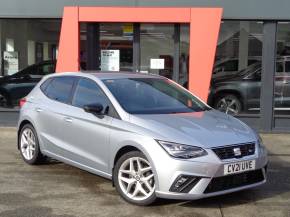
(207, 169)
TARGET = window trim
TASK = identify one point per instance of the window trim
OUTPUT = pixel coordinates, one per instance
(114, 113)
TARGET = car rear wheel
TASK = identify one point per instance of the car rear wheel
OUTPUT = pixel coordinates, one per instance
(29, 145)
(3, 100)
(229, 103)
(134, 179)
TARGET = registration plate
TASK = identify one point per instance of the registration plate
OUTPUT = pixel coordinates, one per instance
(239, 167)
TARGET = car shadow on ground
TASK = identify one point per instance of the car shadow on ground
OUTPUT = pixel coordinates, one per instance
(278, 184)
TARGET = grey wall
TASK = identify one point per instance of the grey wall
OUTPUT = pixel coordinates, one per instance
(233, 9)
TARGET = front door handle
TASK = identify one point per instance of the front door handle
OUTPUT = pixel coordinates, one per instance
(67, 119)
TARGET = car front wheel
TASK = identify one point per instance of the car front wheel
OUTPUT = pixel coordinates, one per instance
(228, 103)
(134, 179)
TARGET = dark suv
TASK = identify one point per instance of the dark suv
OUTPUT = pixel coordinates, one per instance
(241, 91)
(16, 86)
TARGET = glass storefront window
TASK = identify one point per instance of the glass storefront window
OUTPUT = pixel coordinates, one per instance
(28, 52)
(236, 79)
(157, 49)
(116, 40)
(113, 45)
(282, 74)
(184, 56)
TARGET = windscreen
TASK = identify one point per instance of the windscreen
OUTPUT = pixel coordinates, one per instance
(153, 96)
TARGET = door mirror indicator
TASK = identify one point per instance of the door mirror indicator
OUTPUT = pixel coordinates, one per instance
(96, 108)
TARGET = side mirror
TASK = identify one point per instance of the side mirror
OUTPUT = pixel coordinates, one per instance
(96, 108)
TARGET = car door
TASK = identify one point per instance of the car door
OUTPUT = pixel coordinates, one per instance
(51, 112)
(88, 134)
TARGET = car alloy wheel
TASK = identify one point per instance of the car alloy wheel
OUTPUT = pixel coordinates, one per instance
(27, 144)
(134, 178)
(229, 104)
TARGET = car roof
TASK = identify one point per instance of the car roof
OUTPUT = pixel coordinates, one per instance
(110, 75)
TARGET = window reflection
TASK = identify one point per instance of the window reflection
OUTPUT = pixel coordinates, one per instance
(236, 79)
(282, 74)
(29, 51)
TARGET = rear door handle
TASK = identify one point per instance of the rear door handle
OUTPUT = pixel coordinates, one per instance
(38, 110)
(67, 119)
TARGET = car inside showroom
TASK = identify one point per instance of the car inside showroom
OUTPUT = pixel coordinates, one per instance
(144, 108)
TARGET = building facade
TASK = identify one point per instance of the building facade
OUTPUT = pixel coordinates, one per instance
(251, 73)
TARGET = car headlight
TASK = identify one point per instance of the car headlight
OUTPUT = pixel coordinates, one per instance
(182, 151)
(260, 140)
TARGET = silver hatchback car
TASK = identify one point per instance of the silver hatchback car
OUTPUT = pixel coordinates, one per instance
(146, 133)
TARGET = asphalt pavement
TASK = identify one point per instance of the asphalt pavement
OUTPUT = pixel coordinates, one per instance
(8, 118)
(55, 189)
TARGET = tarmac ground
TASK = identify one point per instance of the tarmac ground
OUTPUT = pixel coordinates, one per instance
(59, 190)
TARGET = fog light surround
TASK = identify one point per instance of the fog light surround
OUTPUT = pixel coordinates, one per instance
(184, 183)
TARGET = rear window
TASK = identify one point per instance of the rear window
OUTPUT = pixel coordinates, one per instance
(45, 84)
(59, 88)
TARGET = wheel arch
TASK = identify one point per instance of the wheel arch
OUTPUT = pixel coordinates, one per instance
(123, 150)
(128, 147)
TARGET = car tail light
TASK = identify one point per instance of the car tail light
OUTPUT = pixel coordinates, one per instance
(22, 102)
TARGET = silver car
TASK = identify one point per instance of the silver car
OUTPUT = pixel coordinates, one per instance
(149, 135)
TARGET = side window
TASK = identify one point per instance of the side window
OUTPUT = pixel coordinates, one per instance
(287, 66)
(27, 71)
(60, 88)
(231, 65)
(279, 67)
(88, 92)
(45, 69)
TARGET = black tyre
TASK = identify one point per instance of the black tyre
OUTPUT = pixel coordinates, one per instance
(29, 145)
(4, 101)
(134, 179)
(229, 104)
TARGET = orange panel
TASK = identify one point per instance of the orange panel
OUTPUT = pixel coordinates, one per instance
(115, 14)
(204, 29)
(68, 55)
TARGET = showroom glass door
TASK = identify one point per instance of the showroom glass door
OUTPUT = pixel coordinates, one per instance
(282, 77)
(157, 49)
(145, 48)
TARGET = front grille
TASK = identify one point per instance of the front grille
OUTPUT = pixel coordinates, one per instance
(234, 181)
(227, 152)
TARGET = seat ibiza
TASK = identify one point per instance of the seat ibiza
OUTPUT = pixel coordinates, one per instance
(150, 136)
